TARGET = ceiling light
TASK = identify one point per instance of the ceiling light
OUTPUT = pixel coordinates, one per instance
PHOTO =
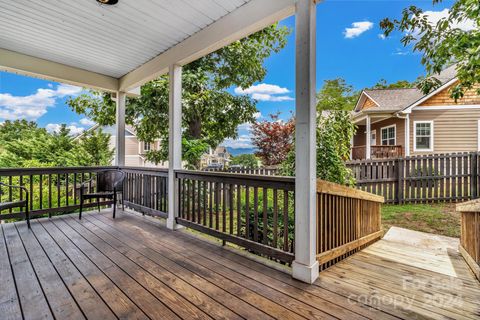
(109, 2)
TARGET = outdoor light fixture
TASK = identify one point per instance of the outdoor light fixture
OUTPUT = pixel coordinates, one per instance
(109, 2)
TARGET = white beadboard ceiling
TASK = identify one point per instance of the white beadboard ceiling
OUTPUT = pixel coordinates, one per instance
(110, 40)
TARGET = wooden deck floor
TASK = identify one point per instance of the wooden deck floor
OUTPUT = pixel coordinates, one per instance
(134, 268)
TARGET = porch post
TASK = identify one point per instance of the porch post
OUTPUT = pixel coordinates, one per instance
(174, 141)
(369, 139)
(120, 129)
(407, 135)
(305, 265)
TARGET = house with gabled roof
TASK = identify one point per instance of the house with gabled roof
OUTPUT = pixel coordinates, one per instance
(403, 122)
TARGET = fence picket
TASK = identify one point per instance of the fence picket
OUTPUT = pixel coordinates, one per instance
(420, 179)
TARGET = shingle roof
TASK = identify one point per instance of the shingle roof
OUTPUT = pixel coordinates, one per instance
(399, 99)
(394, 99)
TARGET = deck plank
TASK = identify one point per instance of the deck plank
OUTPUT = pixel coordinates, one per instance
(146, 301)
(32, 299)
(144, 253)
(195, 296)
(270, 307)
(118, 302)
(9, 303)
(134, 268)
(157, 288)
(61, 302)
(287, 296)
(90, 302)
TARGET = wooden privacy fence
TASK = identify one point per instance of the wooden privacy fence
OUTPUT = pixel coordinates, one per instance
(51, 190)
(347, 221)
(254, 212)
(146, 190)
(420, 179)
(470, 234)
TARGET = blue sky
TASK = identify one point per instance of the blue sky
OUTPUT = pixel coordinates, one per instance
(358, 55)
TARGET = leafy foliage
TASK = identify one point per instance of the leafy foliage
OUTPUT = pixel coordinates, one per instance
(334, 133)
(210, 113)
(245, 160)
(273, 139)
(400, 84)
(443, 43)
(24, 144)
(336, 94)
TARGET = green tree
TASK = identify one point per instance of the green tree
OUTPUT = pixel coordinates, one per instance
(334, 133)
(245, 160)
(443, 43)
(93, 149)
(336, 94)
(210, 112)
(400, 84)
(24, 144)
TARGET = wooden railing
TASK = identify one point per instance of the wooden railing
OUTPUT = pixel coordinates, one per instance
(51, 190)
(470, 234)
(146, 190)
(245, 170)
(377, 152)
(254, 212)
(347, 221)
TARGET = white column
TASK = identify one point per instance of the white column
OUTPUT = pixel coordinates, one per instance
(305, 266)
(407, 135)
(369, 139)
(120, 129)
(174, 142)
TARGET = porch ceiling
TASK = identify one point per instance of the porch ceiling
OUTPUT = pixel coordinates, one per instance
(111, 42)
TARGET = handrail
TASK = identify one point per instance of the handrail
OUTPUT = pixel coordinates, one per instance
(470, 234)
(254, 212)
(347, 221)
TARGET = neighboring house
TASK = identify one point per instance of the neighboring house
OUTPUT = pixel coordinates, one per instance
(403, 122)
(135, 150)
(218, 158)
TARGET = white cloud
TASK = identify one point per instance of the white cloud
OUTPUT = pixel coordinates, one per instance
(357, 29)
(55, 127)
(382, 36)
(434, 16)
(243, 141)
(400, 52)
(87, 122)
(33, 106)
(265, 92)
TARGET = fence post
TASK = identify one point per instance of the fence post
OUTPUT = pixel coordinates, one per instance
(474, 175)
(399, 191)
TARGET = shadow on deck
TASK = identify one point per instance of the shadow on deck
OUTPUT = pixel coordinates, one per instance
(133, 267)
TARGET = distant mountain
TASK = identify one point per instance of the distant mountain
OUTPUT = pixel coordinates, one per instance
(236, 152)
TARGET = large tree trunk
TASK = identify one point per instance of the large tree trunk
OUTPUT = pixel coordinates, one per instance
(195, 128)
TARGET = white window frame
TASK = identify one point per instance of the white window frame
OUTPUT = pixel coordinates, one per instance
(381, 134)
(145, 145)
(415, 149)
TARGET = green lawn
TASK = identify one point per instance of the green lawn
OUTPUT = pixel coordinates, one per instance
(432, 218)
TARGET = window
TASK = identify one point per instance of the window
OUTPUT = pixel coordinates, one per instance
(147, 146)
(388, 136)
(423, 136)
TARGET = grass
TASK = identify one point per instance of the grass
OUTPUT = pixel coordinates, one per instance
(439, 219)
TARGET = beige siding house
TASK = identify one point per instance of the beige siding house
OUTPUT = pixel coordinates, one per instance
(403, 122)
(135, 150)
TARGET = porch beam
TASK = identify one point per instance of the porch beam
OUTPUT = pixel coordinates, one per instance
(368, 141)
(247, 19)
(120, 129)
(23, 64)
(305, 266)
(174, 142)
(407, 135)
